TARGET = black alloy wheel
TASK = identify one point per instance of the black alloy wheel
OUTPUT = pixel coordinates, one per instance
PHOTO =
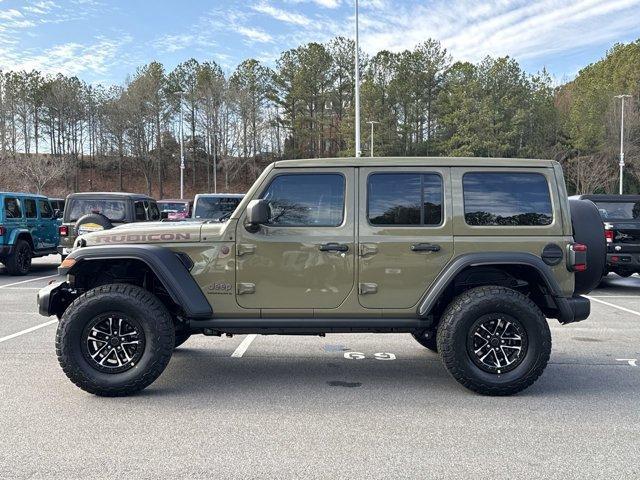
(113, 342)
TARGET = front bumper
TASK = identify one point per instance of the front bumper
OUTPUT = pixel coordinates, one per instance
(53, 299)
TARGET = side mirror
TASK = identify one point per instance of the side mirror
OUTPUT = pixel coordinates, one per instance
(164, 215)
(57, 213)
(257, 214)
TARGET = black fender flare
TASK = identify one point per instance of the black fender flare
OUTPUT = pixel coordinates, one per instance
(565, 310)
(164, 263)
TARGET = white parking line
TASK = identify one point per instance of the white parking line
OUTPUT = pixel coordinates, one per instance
(28, 330)
(244, 345)
(614, 296)
(26, 281)
(628, 310)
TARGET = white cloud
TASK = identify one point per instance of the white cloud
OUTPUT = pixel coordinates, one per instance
(68, 58)
(472, 30)
(282, 15)
(255, 34)
(10, 14)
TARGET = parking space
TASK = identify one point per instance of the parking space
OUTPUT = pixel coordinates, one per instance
(313, 407)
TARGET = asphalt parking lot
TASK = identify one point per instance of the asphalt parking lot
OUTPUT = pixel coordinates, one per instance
(297, 407)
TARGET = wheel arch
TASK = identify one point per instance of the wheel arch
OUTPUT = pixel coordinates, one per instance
(509, 269)
(22, 234)
(169, 268)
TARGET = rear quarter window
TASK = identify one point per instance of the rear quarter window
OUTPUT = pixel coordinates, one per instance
(506, 199)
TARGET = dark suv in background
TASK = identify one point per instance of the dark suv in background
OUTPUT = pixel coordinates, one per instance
(93, 211)
(621, 217)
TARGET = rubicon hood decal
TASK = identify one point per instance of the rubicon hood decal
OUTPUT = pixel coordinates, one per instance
(141, 237)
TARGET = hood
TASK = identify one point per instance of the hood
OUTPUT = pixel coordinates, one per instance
(147, 232)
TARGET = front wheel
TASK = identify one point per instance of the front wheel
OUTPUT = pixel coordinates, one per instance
(494, 340)
(115, 340)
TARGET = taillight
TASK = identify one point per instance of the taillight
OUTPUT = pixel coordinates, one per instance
(577, 261)
(2, 230)
(63, 230)
(608, 235)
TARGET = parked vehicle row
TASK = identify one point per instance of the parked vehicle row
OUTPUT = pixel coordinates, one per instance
(621, 217)
(34, 225)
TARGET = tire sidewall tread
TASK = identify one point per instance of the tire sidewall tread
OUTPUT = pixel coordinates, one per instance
(452, 338)
(159, 339)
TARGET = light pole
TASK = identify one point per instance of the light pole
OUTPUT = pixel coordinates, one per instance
(180, 93)
(357, 81)
(372, 122)
(622, 98)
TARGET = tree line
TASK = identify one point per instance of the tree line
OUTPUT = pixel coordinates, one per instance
(421, 101)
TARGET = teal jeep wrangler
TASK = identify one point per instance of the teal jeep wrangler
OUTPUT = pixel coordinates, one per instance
(28, 229)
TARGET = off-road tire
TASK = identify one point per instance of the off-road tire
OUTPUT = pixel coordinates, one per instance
(430, 343)
(457, 321)
(181, 337)
(131, 301)
(19, 262)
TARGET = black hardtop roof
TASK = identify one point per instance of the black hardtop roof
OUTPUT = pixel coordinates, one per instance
(608, 198)
(122, 195)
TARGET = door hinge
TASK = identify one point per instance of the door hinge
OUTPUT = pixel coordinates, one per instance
(365, 288)
(367, 249)
(244, 248)
(244, 288)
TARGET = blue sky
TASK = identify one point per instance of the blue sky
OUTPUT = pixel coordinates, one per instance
(104, 40)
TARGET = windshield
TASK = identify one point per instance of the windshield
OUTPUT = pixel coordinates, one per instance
(177, 207)
(215, 207)
(619, 210)
(114, 210)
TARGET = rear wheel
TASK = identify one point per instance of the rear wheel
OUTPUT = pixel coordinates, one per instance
(494, 340)
(19, 262)
(115, 340)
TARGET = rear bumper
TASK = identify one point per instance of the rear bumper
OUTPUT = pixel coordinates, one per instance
(623, 261)
(574, 309)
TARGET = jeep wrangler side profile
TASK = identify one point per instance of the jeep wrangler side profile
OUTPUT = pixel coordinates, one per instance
(470, 255)
(28, 229)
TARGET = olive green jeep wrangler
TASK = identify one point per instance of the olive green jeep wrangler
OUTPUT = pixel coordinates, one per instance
(469, 255)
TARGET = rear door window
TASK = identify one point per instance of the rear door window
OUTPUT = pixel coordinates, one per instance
(30, 210)
(12, 207)
(140, 212)
(506, 199)
(404, 199)
(45, 209)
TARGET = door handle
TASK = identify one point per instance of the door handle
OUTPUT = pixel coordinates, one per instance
(334, 247)
(425, 247)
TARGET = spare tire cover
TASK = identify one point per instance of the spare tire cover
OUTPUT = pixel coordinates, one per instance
(92, 222)
(588, 229)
